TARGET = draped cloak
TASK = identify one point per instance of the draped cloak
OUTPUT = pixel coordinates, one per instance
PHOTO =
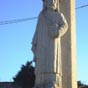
(47, 50)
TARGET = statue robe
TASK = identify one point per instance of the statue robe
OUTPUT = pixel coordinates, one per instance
(47, 50)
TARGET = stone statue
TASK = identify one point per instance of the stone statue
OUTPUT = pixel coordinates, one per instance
(46, 45)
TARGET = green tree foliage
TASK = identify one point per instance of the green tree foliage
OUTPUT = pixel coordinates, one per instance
(25, 77)
(81, 85)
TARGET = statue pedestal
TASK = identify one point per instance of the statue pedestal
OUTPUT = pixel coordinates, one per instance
(48, 81)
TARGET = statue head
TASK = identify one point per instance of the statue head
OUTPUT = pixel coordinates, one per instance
(51, 4)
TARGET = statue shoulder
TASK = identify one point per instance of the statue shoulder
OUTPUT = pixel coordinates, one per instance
(60, 13)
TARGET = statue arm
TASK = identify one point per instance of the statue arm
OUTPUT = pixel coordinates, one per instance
(35, 37)
(34, 42)
(63, 25)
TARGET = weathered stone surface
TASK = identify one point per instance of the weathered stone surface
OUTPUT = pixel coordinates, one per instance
(55, 49)
(68, 46)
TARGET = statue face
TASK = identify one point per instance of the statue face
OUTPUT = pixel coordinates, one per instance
(51, 4)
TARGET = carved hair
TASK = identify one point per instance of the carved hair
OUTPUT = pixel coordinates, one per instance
(45, 8)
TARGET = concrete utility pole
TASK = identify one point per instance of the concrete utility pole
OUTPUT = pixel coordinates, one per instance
(68, 46)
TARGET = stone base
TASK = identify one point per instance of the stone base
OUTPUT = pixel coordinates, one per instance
(48, 81)
(47, 86)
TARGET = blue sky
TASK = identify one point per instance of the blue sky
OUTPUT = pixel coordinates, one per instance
(15, 39)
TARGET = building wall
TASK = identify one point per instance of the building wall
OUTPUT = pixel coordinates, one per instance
(7, 85)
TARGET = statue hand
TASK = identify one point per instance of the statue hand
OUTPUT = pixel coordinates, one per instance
(53, 30)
